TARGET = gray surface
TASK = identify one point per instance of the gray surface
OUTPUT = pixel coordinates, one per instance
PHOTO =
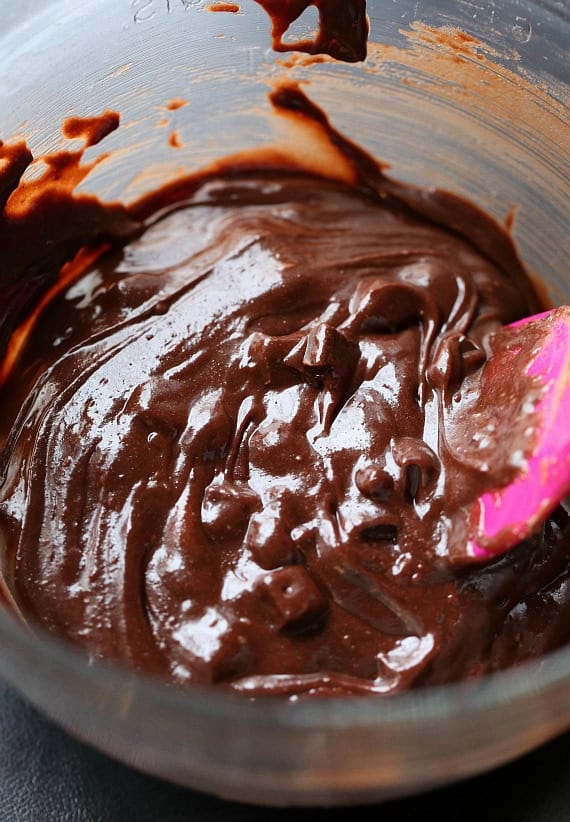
(45, 776)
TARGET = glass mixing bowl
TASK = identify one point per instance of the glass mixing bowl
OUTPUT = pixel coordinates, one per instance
(487, 121)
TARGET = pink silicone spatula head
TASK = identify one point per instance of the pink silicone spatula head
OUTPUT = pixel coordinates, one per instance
(504, 517)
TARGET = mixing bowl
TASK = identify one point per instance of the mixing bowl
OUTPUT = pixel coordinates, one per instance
(484, 117)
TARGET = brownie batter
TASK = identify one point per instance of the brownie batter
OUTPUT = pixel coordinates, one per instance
(342, 31)
(242, 426)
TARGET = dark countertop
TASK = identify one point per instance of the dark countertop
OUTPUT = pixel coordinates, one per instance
(45, 776)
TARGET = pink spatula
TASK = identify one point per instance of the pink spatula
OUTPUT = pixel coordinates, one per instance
(503, 517)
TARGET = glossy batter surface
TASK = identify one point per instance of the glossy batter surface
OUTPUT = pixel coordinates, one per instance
(239, 446)
(241, 428)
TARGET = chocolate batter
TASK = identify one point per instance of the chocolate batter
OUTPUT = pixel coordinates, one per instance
(239, 429)
(342, 31)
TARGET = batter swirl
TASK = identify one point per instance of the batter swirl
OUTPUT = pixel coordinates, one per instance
(237, 448)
